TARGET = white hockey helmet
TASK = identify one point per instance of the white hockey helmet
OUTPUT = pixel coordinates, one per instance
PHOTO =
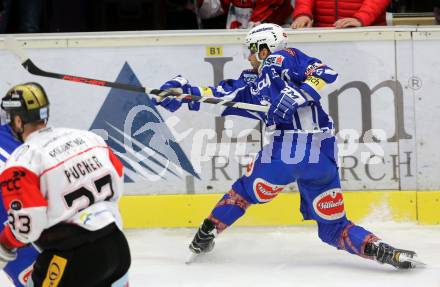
(269, 35)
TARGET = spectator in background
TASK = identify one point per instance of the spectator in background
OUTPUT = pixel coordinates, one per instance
(436, 4)
(21, 16)
(180, 14)
(4, 11)
(339, 14)
(246, 13)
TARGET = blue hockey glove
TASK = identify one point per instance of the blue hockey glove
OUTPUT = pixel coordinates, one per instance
(177, 85)
(282, 109)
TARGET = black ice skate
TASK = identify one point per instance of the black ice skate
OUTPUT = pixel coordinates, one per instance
(384, 253)
(204, 239)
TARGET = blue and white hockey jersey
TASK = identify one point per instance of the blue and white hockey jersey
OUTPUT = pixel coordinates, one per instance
(307, 156)
(20, 269)
(8, 144)
(289, 67)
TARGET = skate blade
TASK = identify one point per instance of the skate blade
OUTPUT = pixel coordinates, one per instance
(191, 258)
(414, 262)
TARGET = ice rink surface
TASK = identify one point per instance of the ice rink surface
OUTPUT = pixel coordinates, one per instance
(277, 257)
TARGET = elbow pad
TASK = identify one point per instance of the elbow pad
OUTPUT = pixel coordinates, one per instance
(317, 79)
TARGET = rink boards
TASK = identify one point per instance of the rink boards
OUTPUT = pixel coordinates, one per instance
(385, 106)
(366, 206)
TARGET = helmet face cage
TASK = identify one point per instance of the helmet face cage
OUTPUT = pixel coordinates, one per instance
(272, 35)
(29, 101)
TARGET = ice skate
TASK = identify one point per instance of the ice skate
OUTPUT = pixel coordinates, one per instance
(203, 241)
(399, 258)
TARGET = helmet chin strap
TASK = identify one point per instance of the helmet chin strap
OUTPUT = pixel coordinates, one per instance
(260, 61)
(258, 57)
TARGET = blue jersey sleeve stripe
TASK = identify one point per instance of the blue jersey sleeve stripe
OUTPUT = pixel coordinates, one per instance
(4, 153)
(2, 158)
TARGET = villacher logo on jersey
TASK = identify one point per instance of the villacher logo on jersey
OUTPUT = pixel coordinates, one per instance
(266, 191)
(330, 204)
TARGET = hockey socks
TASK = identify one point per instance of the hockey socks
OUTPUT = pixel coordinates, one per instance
(357, 240)
(231, 207)
(354, 239)
(345, 235)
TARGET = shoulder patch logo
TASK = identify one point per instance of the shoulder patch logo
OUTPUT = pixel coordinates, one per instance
(249, 77)
(274, 60)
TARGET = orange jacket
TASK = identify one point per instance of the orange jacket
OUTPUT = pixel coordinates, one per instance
(326, 12)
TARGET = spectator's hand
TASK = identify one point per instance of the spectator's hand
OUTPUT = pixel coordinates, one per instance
(302, 22)
(348, 22)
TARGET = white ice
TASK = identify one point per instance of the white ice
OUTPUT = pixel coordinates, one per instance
(277, 257)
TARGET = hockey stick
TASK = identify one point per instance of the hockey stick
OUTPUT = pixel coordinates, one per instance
(13, 46)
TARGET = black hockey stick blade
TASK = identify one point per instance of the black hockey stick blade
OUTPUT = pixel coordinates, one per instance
(33, 69)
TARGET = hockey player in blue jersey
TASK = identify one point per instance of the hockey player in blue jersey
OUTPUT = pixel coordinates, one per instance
(302, 146)
(19, 269)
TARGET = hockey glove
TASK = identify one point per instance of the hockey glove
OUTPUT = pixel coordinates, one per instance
(282, 109)
(177, 85)
(6, 255)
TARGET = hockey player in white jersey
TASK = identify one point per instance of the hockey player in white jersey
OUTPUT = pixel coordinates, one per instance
(61, 190)
(302, 147)
(18, 270)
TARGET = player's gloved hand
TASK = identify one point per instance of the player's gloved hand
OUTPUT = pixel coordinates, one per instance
(282, 109)
(6, 255)
(177, 85)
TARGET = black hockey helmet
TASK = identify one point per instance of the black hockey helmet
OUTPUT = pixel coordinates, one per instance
(29, 101)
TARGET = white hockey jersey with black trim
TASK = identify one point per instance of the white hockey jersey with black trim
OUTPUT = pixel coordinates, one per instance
(60, 175)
